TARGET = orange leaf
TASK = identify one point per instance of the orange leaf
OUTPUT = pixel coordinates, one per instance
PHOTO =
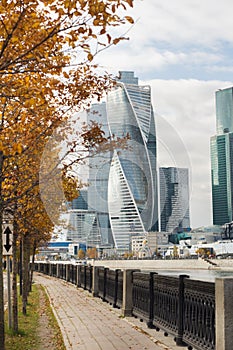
(129, 19)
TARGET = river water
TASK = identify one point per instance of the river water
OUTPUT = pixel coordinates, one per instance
(201, 275)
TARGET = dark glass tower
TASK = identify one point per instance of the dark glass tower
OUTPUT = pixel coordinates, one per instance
(174, 199)
(222, 159)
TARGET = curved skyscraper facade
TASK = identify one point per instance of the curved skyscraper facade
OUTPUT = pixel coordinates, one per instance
(132, 187)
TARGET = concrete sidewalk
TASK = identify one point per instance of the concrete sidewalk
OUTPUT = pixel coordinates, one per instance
(91, 324)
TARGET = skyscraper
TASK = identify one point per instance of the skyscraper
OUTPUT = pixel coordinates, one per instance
(83, 223)
(174, 199)
(98, 176)
(222, 158)
(89, 215)
(122, 189)
(132, 187)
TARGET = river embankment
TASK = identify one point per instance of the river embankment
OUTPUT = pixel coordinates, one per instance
(199, 269)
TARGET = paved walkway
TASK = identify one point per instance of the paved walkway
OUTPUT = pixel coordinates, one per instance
(88, 323)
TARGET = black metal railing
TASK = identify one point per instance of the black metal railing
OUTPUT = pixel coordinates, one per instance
(63, 272)
(182, 307)
(143, 296)
(82, 270)
(179, 306)
(119, 287)
(72, 274)
(89, 272)
(199, 314)
(111, 286)
(166, 296)
(102, 282)
(53, 270)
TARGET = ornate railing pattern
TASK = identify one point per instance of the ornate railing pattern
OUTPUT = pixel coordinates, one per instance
(166, 294)
(199, 314)
(182, 307)
(143, 296)
(111, 286)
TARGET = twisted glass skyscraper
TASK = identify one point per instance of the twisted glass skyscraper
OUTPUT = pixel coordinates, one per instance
(122, 189)
(132, 187)
(222, 159)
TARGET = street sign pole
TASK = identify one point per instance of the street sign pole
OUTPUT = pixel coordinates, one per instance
(9, 292)
(7, 251)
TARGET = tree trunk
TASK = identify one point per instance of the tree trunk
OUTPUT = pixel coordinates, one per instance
(32, 264)
(21, 267)
(2, 330)
(14, 280)
(26, 259)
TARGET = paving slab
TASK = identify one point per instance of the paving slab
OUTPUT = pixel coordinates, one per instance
(88, 323)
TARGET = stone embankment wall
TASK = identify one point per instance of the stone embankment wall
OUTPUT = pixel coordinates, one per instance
(184, 264)
(224, 263)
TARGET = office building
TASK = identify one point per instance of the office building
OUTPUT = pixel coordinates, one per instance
(98, 176)
(83, 223)
(89, 212)
(122, 185)
(174, 199)
(222, 158)
(132, 187)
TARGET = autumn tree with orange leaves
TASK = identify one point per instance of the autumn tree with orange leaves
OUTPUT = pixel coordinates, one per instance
(46, 74)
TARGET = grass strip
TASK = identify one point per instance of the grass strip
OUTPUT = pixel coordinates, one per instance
(29, 336)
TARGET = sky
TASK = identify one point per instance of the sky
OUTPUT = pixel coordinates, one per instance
(183, 49)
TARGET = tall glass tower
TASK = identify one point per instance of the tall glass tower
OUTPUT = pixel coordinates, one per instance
(174, 199)
(222, 159)
(89, 218)
(98, 177)
(132, 187)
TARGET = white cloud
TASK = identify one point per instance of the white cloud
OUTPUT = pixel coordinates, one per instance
(227, 69)
(181, 21)
(175, 35)
(153, 59)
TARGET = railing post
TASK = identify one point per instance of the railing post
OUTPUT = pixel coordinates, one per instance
(180, 320)
(57, 271)
(85, 277)
(67, 272)
(72, 273)
(104, 284)
(127, 302)
(115, 288)
(50, 269)
(95, 281)
(78, 276)
(151, 300)
(223, 313)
